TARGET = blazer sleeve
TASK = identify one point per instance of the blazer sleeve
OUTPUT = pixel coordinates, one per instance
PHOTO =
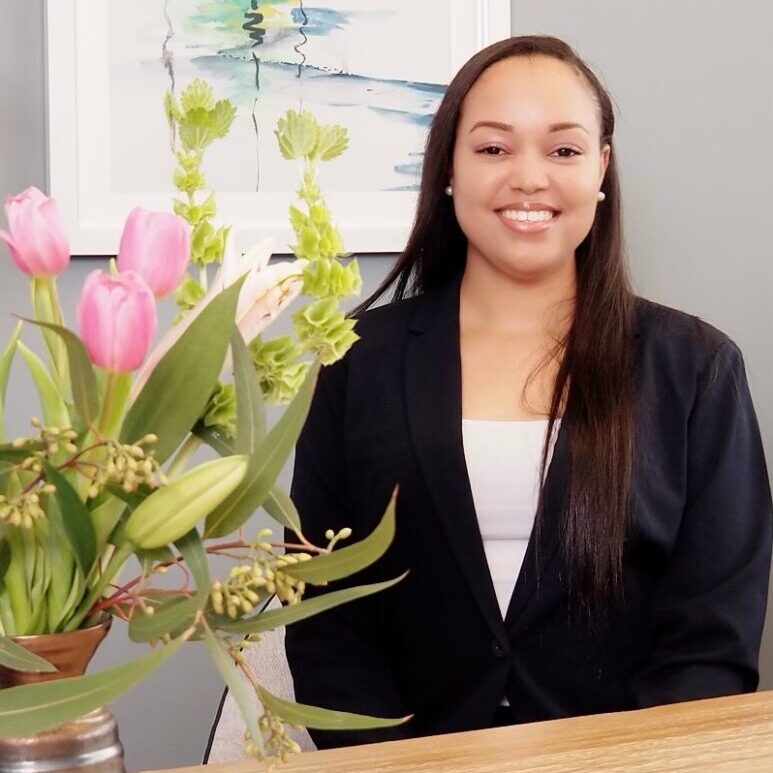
(709, 608)
(336, 657)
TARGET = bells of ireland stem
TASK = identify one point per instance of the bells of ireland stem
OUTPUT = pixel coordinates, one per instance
(36, 235)
(116, 320)
(173, 510)
(156, 245)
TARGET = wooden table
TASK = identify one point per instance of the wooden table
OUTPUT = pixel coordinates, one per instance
(723, 734)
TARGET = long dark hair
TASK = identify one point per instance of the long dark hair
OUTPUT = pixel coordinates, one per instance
(594, 381)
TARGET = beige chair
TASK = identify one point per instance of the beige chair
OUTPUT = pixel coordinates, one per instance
(269, 664)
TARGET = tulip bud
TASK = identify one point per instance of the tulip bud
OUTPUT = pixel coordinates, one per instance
(157, 246)
(172, 511)
(36, 236)
(116, 320)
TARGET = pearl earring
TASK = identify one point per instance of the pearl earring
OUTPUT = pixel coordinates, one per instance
(449, 190)
(602, 196)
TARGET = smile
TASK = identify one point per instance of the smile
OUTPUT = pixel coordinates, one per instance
(531, 222)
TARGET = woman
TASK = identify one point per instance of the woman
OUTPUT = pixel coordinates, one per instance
(515, 352)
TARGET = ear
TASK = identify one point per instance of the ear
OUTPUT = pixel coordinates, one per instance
(606, 152)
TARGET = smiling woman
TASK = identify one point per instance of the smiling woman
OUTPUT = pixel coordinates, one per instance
(583, 500)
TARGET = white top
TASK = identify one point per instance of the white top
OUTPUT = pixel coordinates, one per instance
(503, 462)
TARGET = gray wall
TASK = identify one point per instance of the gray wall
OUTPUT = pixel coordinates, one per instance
(693, 82)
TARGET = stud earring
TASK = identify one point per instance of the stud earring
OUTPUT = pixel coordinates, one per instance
(602, 195)
(449, 190)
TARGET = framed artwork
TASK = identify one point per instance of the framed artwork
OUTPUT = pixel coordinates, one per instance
(378, 67)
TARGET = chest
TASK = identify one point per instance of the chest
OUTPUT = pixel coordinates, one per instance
(505, 377)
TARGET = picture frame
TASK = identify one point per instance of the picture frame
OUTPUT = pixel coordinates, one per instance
(108, 145)
(92, 146)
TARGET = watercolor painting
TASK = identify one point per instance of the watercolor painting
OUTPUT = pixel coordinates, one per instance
(378, 67)
(362, 64)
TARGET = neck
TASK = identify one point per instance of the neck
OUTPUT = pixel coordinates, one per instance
(508, 305)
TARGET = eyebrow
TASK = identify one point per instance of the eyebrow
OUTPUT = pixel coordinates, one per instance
(554, 127)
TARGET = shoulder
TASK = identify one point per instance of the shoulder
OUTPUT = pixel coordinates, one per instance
(383, 323)
(674, 342)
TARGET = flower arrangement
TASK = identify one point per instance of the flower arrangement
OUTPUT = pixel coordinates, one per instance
(108, 470)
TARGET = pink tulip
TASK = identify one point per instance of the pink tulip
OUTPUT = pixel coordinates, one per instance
(37, 240)
(157, 246)
(116, 320)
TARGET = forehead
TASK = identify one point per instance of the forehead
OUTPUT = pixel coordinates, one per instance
(529, 92)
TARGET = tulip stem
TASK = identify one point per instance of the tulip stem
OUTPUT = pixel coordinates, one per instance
(117, 388)
(180, 462)
(46, 308)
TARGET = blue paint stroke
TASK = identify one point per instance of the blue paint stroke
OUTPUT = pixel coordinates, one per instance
(419, 119)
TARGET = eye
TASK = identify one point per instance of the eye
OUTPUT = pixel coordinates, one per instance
(491, 150)
(571, 150)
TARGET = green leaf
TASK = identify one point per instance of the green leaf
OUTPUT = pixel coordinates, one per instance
(177, 391)
(250, 410)
(281, 508)
(346, 561)
(5, 368)
(55, 413)
(322, 719)
(168, 617)
(265, 465)
(198, 94)
(30, 708)
(5, 557)
(76, 519)
(243, 695)
(221, 117)
(7, 358)
(192, 550)
(267, 621)
(331, 142)
(18, 658)
(10, 454)
(195, 130)
(83, 380)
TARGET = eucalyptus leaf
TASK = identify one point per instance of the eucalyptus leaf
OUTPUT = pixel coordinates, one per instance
(344, 562)
(243, 695)
(31, 708)
(281, 508)
(82, 378)
(192, 550)
(323, 719)
(274, 618)
(167, 617)
(265, 465)
(76, 519)
(18, 658)
(177, 391)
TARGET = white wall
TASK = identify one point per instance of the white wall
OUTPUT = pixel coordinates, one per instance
(694, 84)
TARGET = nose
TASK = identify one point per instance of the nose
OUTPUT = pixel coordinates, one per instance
(527, 172)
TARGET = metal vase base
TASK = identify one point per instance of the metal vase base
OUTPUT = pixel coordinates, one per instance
(89, 744)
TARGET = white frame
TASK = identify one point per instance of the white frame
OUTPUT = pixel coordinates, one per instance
(370, 222)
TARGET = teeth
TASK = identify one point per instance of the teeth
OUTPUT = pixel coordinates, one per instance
(531, 217)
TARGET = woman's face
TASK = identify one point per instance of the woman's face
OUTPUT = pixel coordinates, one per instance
(516, 157)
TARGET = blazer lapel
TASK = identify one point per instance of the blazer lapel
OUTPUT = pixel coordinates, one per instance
(434, 406)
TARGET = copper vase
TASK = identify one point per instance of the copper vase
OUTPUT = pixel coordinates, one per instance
(88, 744)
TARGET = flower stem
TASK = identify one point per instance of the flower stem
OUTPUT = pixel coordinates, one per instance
(179, 463)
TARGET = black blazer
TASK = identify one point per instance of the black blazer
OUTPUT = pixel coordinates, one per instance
(696, 562)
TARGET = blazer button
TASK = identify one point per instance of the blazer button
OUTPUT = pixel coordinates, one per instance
(499, 650)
